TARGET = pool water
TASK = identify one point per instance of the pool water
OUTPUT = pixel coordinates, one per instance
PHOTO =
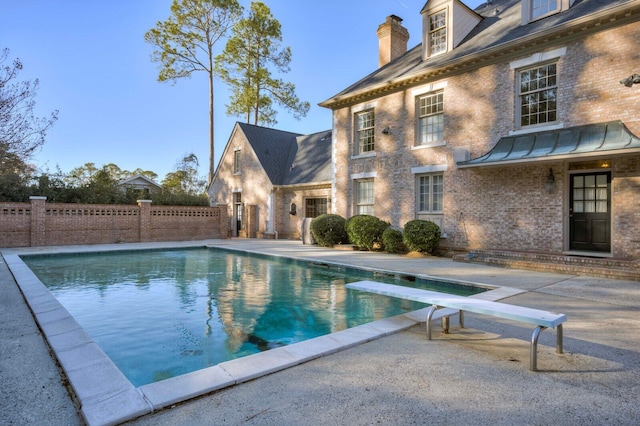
(159, 314)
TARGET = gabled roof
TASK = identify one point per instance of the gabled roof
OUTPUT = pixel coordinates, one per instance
(492, 40)
(291, 158)
(272, 147)
(600, 139)
(133, 180)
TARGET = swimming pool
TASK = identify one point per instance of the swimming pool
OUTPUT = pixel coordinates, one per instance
(163, 313)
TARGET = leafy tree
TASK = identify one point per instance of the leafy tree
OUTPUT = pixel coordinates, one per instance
(81, 176)
(20, 132)
(185, 43)
(244, 65)
(185, 180)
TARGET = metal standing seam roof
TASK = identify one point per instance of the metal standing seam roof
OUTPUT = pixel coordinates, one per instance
(611, 138)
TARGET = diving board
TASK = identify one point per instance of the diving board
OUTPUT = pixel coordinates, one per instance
(539, 318)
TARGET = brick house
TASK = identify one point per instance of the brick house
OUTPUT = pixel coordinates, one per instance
(272, 179)
(508, 125)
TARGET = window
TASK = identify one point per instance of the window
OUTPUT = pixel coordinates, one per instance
(542, 7)
(538, 94)
(438, 32)
(236, 162)
(364, 197)
(315, 207)
(430, 193)
(365, 122)
(430, 119)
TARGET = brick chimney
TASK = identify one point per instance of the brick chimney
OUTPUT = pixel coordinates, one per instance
(392, 40)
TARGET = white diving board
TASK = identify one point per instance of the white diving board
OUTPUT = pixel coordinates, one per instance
(541, 319)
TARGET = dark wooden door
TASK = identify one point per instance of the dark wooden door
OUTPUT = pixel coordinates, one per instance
(590, 212)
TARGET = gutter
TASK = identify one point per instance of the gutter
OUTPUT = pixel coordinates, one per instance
(571, 30)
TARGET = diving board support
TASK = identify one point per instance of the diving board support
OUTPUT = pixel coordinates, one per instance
(454, 304)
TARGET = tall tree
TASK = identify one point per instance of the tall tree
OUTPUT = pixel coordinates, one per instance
(185, 180)
(244, 64)
(21, 133)
(185, 43)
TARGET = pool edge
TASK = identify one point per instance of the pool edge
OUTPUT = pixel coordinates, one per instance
(106, 397)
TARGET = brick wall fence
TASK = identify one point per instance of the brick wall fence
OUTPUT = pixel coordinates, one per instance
(39, 223)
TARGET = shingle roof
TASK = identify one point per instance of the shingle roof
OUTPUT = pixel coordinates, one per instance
(291, 158)
(312, 161)
(496, 30)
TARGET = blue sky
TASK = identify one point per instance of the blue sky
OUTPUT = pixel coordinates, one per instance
(94, 67)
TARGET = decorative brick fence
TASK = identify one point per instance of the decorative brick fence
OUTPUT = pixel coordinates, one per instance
(39, 223)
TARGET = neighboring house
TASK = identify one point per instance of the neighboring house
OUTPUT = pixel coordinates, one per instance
(140, 183)
(271, 180)
(508, 125)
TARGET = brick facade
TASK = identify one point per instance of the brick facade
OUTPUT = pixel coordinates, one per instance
(502, 207)
(50, 224)
(265, 207)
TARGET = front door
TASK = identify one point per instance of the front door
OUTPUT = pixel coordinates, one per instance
(237, 211)
(590, 212)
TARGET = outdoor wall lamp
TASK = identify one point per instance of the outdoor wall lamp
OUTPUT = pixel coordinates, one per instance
(386, 130)
(551, 182)
(292, 209)
(631, 80)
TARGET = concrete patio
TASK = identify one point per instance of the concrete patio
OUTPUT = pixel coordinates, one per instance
(477, 375)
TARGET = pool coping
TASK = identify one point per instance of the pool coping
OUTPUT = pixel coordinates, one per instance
(107, 397)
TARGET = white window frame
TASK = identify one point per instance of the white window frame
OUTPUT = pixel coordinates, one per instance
(434, 203)
(364, 205)
(365, 135)
(535, 90)
(530, 14)
(432, 33)
(438, 114)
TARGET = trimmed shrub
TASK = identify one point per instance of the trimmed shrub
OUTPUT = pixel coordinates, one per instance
(422, 236)
(328, 230)
(392, 241)
(365, 231)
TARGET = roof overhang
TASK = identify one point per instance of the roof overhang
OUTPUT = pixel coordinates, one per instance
(557, 35)
(588, 141)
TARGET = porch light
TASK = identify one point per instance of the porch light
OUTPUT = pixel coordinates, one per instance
(551, 182)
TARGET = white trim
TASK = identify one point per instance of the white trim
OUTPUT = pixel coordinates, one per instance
(431, 145)
(433, 87)
(364, 155)
(536, 129)
(334, 159)
(431, 168)
(538, 57)
(364, 175)
(364, 107)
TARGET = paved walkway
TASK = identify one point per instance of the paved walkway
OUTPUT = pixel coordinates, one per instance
(478, 375)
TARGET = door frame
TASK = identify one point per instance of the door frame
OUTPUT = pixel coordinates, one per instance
(570, 172)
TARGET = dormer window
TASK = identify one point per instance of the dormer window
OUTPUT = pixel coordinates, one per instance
(533, 10)
(438, 32)
(542, 7)
(445, 24)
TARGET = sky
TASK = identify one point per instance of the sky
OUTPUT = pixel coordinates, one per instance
(95, 68)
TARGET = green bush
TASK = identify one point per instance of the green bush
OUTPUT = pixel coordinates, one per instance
(365, 231)
(392, 241)
(422, 236)
(328, 230)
